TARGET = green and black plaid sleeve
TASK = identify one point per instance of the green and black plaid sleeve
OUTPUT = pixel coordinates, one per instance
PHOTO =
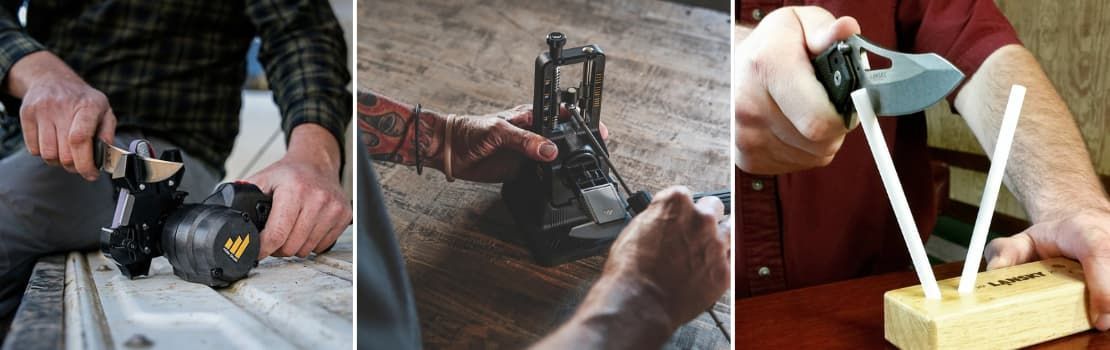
(304, 55)
(14, 42)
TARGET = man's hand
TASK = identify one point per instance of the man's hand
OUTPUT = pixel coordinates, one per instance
(483, 148)
(784, 120)
(670, 264)
(489, 148)
(310, 207)
(1084, 236)
(60, 114)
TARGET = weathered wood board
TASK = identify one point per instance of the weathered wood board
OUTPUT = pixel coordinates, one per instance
(666, 106)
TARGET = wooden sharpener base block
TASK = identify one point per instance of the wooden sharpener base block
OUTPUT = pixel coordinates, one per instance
(1011, 307)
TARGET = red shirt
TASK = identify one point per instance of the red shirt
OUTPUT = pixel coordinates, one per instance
(835, 222)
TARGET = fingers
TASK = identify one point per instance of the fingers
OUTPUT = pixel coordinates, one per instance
(106, 130)
(803, 101)
(30, 131)
(1096, 269)
(760, 152)
(342, 221)
(724, 230)
(48, 144)
(304, 218)
(525, 142)
(523, 119)
(336, 231)
(677, 194)
(1085, 236)
(304, 225)
(280, 223)
(1082, 237)
(60, 119)
(65, 156)
(303, 229)
(79, 140)
(822, 30)
(784, 120)
(324, 234)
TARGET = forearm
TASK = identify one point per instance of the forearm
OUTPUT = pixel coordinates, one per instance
(616, 314)
(388, 130)
(1049, 169)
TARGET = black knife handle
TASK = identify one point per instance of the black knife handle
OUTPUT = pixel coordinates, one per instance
(837, 73)
(98, 154)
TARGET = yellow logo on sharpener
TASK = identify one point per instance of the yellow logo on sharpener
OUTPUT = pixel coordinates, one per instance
(235, 249)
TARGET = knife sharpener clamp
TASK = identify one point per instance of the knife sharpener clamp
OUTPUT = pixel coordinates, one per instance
(214, 243)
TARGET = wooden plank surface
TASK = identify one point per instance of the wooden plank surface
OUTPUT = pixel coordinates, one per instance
(667, 76)
(845, 315)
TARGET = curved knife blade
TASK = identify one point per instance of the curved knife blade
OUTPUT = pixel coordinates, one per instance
(113, 160)
(911, 84)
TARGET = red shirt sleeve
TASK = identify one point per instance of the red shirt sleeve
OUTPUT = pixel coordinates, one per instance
(965, 32)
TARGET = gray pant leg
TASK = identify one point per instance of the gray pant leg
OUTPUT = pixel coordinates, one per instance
(46, 210)
(386, 310)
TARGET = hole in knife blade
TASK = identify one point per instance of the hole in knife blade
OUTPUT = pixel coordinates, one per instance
(871, 61)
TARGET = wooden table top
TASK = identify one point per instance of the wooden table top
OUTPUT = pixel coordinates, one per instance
(666, 105)
(845, 315)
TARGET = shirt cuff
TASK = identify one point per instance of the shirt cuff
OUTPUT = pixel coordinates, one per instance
(327, 114)
(14, 44)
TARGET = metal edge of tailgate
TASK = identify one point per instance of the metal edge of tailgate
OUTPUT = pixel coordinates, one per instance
(286, 303)
(85, 325)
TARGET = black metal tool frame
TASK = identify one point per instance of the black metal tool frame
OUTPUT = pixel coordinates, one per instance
(569, 208)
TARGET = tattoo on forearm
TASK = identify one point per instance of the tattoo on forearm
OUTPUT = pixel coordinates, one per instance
(388, 130)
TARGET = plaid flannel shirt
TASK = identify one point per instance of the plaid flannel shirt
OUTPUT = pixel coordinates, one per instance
(175, 69)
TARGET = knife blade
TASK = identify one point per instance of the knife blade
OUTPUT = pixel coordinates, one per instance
(113, 160)
(912, 83)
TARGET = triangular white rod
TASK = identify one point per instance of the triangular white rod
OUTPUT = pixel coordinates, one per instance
(990, 190)
(893, 187)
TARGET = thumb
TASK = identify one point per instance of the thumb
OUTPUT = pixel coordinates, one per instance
(528, 143)
(1010, 251)
(822, 30)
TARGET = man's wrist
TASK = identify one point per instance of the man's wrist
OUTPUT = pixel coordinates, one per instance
(315, 145)
(36, 68)
(626, 308)
(432, 128)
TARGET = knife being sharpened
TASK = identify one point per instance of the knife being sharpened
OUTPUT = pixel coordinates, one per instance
(912, 83)
(113, 160)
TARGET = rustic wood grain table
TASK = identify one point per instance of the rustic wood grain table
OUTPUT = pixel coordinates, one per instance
(666, 105)
(845, 315)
